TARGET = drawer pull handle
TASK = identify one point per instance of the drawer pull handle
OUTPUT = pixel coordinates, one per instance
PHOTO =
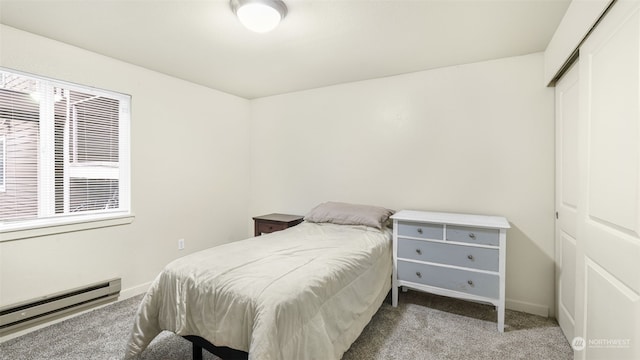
(419, 251)
(472, 235)
(418, 274)
(419, 230)
(470, 257)
(470, 282)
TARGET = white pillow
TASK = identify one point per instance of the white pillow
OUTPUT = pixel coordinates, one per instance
(349, 214)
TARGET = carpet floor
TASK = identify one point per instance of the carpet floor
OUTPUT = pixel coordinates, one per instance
(423, 326)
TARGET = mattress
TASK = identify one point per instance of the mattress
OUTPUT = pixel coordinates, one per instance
(302, 293)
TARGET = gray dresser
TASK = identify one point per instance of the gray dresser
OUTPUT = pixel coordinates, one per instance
(457, 255)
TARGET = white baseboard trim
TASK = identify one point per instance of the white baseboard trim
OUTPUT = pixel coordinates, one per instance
(134, 291)
(535, 309)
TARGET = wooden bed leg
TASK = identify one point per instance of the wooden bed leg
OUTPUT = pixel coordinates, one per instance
(197, 352)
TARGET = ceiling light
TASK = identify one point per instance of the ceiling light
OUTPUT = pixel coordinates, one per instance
(259, 15)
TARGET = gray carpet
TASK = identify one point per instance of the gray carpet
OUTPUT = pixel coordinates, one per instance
(423, 326)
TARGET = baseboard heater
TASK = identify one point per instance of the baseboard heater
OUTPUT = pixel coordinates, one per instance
(18, 316)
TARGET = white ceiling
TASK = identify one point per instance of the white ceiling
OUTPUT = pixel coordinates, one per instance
(319, 43)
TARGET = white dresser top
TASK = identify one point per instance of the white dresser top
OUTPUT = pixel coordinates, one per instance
(485, 221)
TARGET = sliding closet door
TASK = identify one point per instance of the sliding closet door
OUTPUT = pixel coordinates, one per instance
(567, 106)
(608, 247)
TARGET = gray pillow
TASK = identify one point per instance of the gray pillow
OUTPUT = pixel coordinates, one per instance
(349, 214)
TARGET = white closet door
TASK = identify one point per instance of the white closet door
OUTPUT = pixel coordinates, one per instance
(567, 106)
(608, 248)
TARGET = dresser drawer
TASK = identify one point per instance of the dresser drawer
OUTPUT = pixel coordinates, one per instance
(422, 231)
(473, 235)
(450, 254)
(469, 282)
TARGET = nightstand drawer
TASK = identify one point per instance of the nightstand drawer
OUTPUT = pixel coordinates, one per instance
(469, 282)
(264, 227)
(473, 235)
(274, 222)
(451, 254)
(422, 231)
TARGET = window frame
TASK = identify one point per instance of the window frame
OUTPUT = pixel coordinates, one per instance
(66, 222)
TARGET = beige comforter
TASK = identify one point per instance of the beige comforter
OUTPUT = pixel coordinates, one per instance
(302, 293)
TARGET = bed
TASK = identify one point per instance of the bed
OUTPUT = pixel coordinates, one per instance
(302, 293)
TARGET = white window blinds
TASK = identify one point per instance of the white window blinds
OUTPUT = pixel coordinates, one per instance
(66, 151)
(2, 162)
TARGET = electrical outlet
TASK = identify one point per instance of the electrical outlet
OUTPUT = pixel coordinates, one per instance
(180, 244)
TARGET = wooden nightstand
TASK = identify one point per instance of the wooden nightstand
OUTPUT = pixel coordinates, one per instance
(274, 222)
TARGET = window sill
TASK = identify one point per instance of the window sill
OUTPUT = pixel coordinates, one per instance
(65, 227)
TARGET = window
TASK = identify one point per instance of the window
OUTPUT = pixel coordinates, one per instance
(2, 162)
(65, 152)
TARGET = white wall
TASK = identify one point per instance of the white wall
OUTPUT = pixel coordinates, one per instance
(190, 164)
(474, 138)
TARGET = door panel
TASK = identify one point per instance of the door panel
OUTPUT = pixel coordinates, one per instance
(567, 287)
(568, 122)
(613, 128)
(567, 114)
(608, 245)
(609, 332)
(615, 251)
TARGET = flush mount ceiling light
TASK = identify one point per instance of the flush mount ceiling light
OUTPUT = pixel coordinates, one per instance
(259, 15)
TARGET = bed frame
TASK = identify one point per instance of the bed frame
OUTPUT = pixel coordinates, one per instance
(223, 352)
